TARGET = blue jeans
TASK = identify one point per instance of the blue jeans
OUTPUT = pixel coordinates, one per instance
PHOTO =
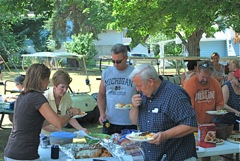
(9, 159)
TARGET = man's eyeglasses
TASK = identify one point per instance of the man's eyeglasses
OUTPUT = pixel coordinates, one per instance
(118, 61)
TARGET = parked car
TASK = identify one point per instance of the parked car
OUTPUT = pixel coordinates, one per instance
(138, 54)
(140, 58)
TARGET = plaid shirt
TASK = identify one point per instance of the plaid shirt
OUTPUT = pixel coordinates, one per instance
(173, 108)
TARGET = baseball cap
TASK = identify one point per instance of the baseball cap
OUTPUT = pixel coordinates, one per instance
(237, 74)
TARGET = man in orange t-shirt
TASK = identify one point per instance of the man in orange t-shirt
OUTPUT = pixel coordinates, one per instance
(205, 92)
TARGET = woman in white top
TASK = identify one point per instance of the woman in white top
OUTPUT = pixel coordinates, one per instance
(192, 67)
(219, 69)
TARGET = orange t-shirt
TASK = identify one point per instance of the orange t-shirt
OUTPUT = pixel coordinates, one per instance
(204, 98)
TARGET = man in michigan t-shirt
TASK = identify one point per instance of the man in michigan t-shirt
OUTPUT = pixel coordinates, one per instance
(205, 92)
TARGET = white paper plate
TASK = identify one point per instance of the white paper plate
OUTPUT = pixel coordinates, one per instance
(79, 116)
(122, 108)
(200, 149)
(220, 142)
(135, 137)
(216, 112)
(231, 139)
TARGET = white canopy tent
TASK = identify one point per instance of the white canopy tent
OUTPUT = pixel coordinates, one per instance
(54, 56)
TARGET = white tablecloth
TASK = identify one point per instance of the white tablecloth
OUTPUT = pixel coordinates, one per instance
(45, 155)
(226, 148)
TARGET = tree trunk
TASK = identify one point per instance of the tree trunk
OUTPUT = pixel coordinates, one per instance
(193, 43)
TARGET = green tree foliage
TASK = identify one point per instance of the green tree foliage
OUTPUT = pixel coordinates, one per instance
(32, 28)
(82, 44)
(186, 18)
(86, 16)
(12, 21)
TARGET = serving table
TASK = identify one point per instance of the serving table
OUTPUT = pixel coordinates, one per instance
(226, 148)
(45, 154)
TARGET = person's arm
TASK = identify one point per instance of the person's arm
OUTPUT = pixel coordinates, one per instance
(225, 91)
(190, 89)
(52, 117)
(219, 102)
(175, 132)
(101, 101)
(133, 113)
(76, 125)
(51, 128)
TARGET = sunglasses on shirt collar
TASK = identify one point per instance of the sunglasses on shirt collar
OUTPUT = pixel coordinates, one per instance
(118, 61)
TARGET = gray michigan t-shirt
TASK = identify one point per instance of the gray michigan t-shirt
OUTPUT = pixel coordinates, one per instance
(119, 89)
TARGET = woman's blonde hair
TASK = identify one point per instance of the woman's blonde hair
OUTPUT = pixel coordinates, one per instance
(35, 74)
(61, 77)
(236, 62)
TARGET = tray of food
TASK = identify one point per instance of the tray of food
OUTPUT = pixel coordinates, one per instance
(140, 136)
(80, 151)
(121, 106)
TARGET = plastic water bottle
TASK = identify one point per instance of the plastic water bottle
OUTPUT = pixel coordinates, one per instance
(43, 141)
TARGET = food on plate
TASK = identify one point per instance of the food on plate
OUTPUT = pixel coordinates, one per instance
(234, 138)
(141, 136)
(82, 113)
(123, 106)
(219, 141)
(119, 105)
(218, 112)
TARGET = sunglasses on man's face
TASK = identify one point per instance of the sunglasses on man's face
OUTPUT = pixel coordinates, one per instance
(206, 65)
(117, 61)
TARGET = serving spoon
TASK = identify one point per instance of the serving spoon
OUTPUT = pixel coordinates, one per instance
(83, 133)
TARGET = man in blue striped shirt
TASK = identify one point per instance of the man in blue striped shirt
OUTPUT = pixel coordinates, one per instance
(164, 109)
